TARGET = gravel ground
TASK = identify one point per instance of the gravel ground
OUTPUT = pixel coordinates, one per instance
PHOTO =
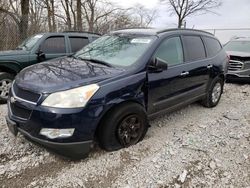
(192, 147)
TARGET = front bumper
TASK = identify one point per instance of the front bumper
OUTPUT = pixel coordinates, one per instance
(239, 75)
(73, 150)
(29, 119)
(244, 73)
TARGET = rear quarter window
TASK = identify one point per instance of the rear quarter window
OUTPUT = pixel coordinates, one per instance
(213, 46)
(194, 48)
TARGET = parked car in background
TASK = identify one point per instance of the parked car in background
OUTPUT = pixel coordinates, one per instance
(36, 49)
(109, 89)
(239, 65)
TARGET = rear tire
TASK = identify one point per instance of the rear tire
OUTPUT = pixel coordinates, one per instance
(123, 126)
(214, 93)
(5, 84)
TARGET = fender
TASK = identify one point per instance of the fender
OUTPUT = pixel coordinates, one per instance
(128, 89)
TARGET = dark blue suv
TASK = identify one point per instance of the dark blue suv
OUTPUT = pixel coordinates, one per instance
(108, 90)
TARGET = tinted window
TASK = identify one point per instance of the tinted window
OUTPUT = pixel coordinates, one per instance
(213, 46)
(170, 50)
(78, 43)
(54, 45)
(94, 38)
(194, 48)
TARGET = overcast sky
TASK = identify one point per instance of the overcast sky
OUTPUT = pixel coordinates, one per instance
(232, 14)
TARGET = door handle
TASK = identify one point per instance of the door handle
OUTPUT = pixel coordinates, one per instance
(185, 73)
(209, 66)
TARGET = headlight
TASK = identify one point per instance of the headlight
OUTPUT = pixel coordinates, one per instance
(73, 98)
(57, 133)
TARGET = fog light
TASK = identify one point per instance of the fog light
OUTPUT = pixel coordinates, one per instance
(57, 133)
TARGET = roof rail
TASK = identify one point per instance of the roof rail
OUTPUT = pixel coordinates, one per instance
(74, 31)
(133, 28)
(184, 29)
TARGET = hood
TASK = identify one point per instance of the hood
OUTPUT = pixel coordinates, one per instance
(238, 54)
(13, 52)
(63, 73)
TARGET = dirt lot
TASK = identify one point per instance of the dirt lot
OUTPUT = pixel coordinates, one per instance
(192, 147)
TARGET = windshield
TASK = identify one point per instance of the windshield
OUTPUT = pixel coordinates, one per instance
(116, 50)
(29, 43)
(240, 46)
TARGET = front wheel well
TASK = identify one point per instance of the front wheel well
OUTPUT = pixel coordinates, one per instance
(222, 76)
(112, 108)
(8, 70)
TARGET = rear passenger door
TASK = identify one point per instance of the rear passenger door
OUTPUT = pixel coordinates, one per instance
(77, 43)
(196, 66)
(54, 47)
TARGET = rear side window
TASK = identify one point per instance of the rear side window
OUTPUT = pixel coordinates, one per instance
(170, 50)
(212, 45)
(78, 43)
(54, 45)
(194, 48)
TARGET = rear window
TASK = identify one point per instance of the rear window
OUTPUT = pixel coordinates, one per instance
(194, 48)
(212, 45)
(78, 43)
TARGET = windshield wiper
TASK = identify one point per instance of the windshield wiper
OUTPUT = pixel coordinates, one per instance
(96, 61)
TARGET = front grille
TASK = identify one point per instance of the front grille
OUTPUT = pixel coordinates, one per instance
(235, 65)
(25, 94)
(20, 111)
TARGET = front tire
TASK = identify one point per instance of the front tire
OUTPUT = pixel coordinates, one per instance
(5, 84)
(214, 93)
(124, 126)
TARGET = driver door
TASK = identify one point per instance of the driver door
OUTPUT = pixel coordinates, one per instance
(166, 88)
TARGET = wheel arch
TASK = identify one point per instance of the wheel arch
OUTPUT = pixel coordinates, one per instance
(10, 67)
(113, 108)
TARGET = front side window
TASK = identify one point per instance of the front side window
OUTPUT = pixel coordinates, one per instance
(170, 51)
(239, 46)
(117, 50)
(194, 48)
(53, 45)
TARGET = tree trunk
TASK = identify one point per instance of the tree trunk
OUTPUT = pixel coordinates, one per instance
(24, 20)
(52, 2)
(179, 22)
(79, 15)
(91, 21)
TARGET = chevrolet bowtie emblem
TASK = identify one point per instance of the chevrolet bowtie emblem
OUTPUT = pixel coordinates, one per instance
(12, 99)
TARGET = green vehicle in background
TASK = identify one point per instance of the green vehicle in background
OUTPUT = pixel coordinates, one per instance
(36, 49)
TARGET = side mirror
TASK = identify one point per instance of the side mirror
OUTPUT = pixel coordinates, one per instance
(40, 55)
(158, 65)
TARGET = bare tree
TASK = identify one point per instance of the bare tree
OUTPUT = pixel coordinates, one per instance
(186, 8)
(21, 19)
(95, 10)
(50, 6)
(79, 14)
(144, 16)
